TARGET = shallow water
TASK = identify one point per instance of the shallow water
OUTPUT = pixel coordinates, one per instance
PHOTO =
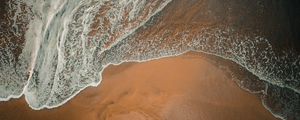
(67, 44)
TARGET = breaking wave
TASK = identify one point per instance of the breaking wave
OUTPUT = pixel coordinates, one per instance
(67, 44)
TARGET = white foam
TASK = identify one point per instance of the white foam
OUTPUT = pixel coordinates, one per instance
(65, 60)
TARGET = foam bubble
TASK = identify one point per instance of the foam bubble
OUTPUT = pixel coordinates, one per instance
(69, 43)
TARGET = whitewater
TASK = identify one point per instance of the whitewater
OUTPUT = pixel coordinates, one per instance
(68, 44)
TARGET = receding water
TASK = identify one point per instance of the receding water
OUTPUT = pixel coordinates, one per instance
(68, 43)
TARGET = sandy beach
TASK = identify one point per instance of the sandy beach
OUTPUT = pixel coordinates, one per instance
(186, 87)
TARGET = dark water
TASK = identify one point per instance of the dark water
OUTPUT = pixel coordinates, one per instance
(51, 50)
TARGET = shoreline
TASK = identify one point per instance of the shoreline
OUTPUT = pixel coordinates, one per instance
(111, 72)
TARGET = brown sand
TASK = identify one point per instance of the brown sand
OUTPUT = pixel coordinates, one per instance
(174, 88)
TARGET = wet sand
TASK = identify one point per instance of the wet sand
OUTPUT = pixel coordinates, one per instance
(186, 87)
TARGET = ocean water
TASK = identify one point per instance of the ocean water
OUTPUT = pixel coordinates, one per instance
(68, 43)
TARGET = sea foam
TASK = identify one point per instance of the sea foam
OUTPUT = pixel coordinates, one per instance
(68, 43)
